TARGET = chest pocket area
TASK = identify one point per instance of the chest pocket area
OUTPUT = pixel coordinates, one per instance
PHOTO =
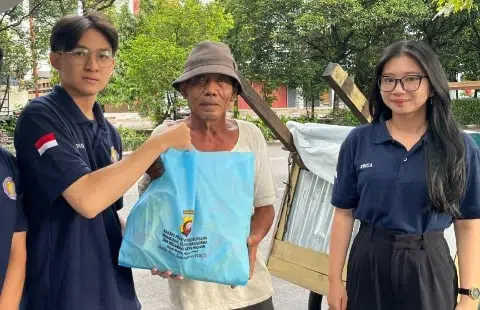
(104, 150)
(374, 174)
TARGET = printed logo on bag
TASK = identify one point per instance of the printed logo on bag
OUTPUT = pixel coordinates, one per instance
(114, 155)
(9, 188)
(186, 227)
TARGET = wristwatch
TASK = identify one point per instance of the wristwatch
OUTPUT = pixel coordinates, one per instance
(473, 293)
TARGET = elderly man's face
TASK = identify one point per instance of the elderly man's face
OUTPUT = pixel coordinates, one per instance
(209, 95)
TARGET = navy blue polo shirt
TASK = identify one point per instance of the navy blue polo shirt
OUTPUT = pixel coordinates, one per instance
(12, 218)
(72, 260)
(385, 184)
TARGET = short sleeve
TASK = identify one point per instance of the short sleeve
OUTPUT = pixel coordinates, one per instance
(264, 183)
(11, 194)
(46, 151)
(21, 220)
(344, 194)
(470, 204)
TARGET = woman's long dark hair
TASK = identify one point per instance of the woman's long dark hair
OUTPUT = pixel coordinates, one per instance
(445, 149)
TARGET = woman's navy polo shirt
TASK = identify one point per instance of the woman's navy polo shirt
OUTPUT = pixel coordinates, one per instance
(12, 218)
(72, 260)
(385, 184)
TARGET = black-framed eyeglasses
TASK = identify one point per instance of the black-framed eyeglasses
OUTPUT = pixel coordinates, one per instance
(409, 82)
(81, 55)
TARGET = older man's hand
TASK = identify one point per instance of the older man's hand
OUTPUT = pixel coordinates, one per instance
(165, 274)
(156, 170)
(252, 244)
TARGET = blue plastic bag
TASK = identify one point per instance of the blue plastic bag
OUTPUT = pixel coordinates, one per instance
(195, 219)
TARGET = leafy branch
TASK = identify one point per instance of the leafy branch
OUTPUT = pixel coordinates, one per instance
(10, 14)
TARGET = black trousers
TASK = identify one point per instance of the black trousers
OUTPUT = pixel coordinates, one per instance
(391, 271)
(264, 305)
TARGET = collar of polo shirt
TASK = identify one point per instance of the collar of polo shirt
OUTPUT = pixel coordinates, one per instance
(74, 111)
(381, 135)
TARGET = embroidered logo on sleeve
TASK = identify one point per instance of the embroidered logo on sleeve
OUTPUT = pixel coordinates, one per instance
(9, 188)
(114, 155)
(46, 142)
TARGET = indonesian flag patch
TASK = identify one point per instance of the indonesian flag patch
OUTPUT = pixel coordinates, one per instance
(46, 142)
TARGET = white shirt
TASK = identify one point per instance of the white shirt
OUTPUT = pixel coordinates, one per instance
(197, 295)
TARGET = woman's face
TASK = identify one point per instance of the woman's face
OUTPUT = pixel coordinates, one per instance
(411, 97)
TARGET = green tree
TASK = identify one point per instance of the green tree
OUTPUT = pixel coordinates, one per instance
(13, 43)
(14, 16)
(119, 91)
(446, 7)
(16, 60)
(292, 41)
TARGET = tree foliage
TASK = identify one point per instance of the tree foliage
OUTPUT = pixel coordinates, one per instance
(446, 7)
(25, 31)
(16, 60)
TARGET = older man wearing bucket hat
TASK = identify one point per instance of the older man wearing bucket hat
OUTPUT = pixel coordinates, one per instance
(210, 83)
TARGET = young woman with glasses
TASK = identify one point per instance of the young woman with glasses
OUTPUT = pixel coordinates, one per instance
(407, 177)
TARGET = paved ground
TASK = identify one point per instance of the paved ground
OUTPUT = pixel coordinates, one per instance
(153, 291)
(130, 120)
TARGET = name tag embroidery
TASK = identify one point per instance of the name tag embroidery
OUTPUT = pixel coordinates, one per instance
(367, 165)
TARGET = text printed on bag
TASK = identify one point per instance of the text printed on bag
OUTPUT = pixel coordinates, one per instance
(182, 247)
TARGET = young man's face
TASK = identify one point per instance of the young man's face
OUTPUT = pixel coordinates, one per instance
(85, 70)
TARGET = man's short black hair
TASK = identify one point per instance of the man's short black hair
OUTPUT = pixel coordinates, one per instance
(67, 31)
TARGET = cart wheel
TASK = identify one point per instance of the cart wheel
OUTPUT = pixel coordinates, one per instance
(315, 301)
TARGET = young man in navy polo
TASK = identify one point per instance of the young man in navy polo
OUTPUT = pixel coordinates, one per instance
(70, 161)
(13, 253)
